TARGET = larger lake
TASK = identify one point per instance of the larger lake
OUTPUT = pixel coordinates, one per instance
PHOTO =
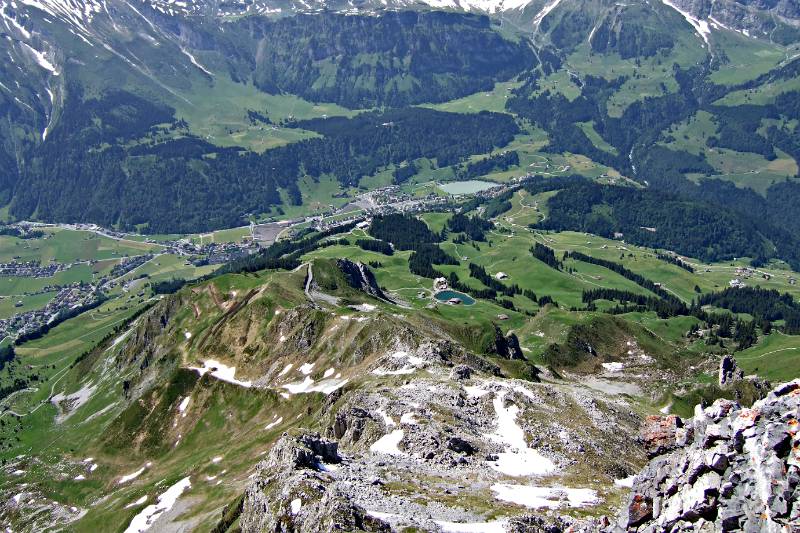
(467, 187)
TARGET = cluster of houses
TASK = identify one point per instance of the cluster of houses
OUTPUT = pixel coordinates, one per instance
(31, 269)
(213, 253)
(67, 299)
(127, 264)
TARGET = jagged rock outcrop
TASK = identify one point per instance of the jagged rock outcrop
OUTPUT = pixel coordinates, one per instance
(360, 277)
(292, 491)
(728, 468)
(506, 346)
(729, 371)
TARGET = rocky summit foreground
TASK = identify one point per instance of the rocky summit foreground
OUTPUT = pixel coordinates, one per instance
(729, 468)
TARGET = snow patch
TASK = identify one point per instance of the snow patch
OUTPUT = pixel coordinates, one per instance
(613, 367)
(42, 60)
(221, 372)
(626, 482)
(201, 67)
(183, 405)
(537, 20)
(388, 443)
(498, 526)
(273, 423)
(307, 368)
(700, 26)
(285, 369)
(408, 418)
(544, 497)
(137, 503)
(386, 418)
(144, 520)
(133, 475)
(518, 460)
(296, 505)
(326, 386)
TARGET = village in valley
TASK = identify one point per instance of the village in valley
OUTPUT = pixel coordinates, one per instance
(189, 256)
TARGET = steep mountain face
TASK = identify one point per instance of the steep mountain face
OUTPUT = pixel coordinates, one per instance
(774, 20)
(207, 91)
(395, 60)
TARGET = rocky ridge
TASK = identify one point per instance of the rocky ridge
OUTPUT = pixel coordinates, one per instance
(729, 468)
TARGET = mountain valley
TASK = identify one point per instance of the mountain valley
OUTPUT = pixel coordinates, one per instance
(480, 266)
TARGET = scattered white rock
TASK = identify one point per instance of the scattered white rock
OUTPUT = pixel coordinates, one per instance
(400, 371)
(67, 404)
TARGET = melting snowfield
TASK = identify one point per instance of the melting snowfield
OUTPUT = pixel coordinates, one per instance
(221, 372)
(613, 367)
(388, 443)
(326, 386)
(144, 520)
(133, 475)
(518, 459)
(700, 26)
(183, 405)
(472, 527)
(274, 423)
(544, 497)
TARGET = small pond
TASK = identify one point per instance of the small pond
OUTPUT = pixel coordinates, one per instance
(443, 296)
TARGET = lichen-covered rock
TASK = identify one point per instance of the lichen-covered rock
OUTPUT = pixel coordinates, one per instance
(729, 469)
(659, 433)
